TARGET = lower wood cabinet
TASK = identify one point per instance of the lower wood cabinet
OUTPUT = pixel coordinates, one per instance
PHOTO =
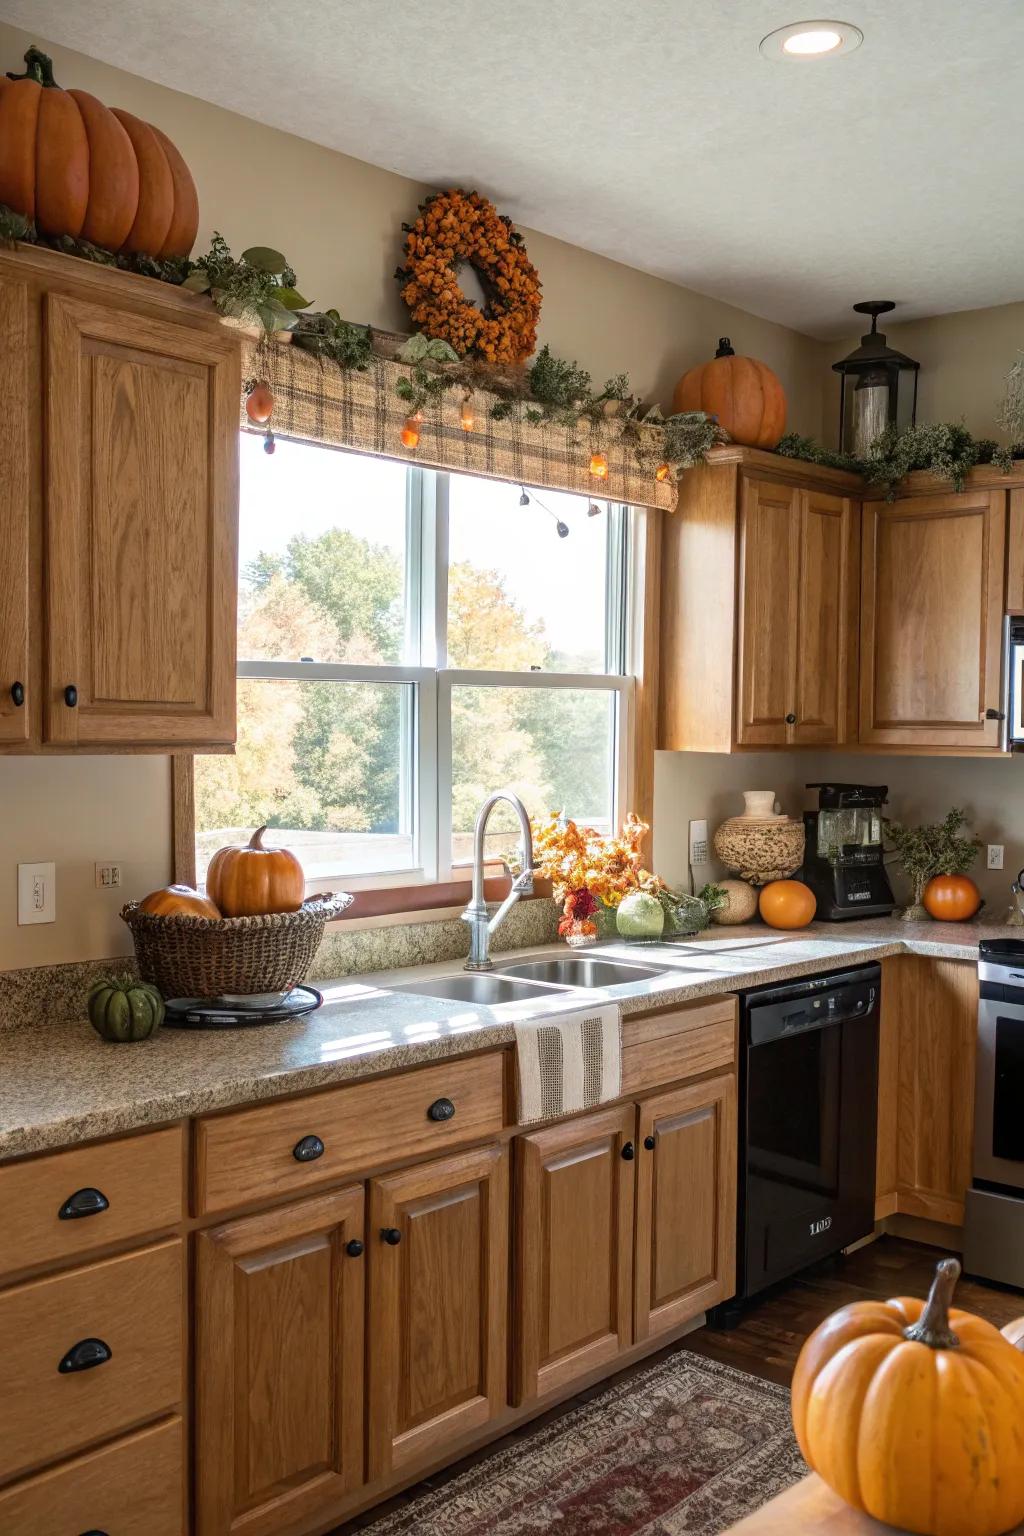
(438, 1277)
(573, 1249)
(279, 1364)
(686, 1204)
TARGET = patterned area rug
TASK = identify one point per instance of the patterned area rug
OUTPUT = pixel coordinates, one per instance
(688, 1446)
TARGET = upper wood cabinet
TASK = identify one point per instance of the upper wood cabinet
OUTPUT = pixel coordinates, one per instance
(119, 494)
(279, 1364)
(573, 1249)
(759, 635)
(932, 594)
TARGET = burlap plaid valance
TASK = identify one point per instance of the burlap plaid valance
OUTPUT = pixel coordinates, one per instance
(318, 402)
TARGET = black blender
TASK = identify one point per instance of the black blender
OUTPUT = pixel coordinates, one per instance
(843, 857)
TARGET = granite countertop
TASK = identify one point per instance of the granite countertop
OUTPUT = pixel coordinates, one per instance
(61, 1084)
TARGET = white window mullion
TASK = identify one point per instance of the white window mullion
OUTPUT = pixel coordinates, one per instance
(443, 760)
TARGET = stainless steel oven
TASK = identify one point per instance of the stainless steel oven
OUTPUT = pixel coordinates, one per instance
(994, 1214)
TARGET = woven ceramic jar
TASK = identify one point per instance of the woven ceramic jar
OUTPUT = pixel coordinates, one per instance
(760, 851)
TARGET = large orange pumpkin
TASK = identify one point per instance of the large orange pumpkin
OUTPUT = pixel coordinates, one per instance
(82, 169)
(951, 898)
(178, 901)
(245, 882)
(915, 1414)
(787, 904)
(742, 393)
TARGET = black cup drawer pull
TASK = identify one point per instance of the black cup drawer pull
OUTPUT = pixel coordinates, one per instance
(84, 1202)
(85, 1356)
(308, 1149)
(17, 694)
(441, 1109)
(94, 1533)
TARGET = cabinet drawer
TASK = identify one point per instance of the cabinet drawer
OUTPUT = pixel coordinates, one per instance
(134, 1487)
(140, 1181)
(671, 1046)
(253, 1154)
(133, 1305)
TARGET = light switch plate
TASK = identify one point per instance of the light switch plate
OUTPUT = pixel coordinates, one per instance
(995, 855)
(699, 853)
(108, 876)
(37, 893)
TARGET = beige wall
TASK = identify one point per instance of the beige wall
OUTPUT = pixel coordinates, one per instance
(338, 221)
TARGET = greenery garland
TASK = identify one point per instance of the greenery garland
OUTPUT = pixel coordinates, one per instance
(945, 449)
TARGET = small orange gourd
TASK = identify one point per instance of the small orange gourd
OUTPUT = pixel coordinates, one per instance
(253, 880)
(787, 904)
(744, 394)
(951, 898)
(178, 901)
(915, 1413)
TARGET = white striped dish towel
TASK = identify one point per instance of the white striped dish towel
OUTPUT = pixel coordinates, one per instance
(568, 1061)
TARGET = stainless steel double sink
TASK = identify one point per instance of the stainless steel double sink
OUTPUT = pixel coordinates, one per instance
(542, 976)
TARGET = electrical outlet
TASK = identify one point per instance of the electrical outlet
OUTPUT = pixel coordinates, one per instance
(699, 842)
(108, 876)
(995, 855)
(37, 893)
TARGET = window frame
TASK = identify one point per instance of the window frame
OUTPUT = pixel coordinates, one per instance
(631, 620)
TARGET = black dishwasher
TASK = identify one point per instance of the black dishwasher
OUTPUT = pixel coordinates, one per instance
(808, 1123)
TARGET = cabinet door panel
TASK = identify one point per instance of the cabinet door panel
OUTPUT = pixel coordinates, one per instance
(438, 1305)
(931, 614)
(574, 1250)
(16, 496)
(141, 451)
(279, 1365)
(769, 574)
(686, 1204)
(825, 626)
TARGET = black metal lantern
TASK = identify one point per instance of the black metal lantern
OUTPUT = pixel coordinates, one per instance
(879, 386)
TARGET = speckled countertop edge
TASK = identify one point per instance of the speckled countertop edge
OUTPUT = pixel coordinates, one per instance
(62, 1085)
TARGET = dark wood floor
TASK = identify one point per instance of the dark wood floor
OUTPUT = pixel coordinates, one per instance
(768, 1339)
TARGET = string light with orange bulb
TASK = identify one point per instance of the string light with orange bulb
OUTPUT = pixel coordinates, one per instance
(410, 433)
(599, 465)
(467, 421)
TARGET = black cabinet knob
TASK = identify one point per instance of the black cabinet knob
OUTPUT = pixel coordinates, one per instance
(649, 1143)
(308, 1149)
(994, 714)
(628, 1152)
(17, 694)
(391, 1236)
(94, 1533)
(441, 1109)
(71, 696)
(84, 1356)
(84, 1202)
(354, 1248)
(791, 719)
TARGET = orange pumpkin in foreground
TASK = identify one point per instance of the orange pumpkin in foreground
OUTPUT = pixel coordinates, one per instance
(82, 169)
(745, 396)
(915, 1413)
(951, 898)
(178, 901)
(787, 904)
(251, 881)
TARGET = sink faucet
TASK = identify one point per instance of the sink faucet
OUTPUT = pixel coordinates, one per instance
(477, 914)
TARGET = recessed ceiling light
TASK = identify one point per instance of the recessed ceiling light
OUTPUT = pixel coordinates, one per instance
(803, 40)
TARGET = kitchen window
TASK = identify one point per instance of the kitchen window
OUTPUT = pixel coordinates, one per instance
(409, 641)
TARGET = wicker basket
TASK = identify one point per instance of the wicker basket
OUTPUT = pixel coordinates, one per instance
(207, 957)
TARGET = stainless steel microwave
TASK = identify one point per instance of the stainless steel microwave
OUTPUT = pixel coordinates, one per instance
(1013, 674)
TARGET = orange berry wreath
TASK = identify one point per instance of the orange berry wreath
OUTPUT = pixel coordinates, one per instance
(456, 227)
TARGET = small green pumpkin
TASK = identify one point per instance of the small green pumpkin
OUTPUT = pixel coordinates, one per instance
(123, 1009)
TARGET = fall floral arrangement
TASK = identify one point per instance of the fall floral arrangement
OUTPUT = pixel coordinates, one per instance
(593, 875)
(455, 227)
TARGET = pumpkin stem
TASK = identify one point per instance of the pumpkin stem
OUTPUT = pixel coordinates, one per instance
(932, 1327)
(256, 841)
(38, 67)
(725, 347)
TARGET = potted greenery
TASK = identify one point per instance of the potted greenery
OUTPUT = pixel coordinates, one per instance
(932, 855)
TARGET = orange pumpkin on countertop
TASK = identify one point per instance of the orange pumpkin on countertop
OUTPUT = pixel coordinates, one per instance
(787, 904)
(951, 898)
(178, 901)
(253, 880)
(745, 396)
(915, 1413)
(79, 168)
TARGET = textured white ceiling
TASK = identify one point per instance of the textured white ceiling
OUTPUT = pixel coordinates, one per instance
(651, 131)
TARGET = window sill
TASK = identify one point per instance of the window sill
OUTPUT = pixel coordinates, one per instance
(387, 901)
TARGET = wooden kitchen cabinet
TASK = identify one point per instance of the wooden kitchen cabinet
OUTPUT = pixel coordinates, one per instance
(686, 1204)
(119, 497)
(573, 1249)
(932, 596)
(279, 1364)
(438, 1278)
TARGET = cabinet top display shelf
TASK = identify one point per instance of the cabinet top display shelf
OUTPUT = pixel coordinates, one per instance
(841, 482)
